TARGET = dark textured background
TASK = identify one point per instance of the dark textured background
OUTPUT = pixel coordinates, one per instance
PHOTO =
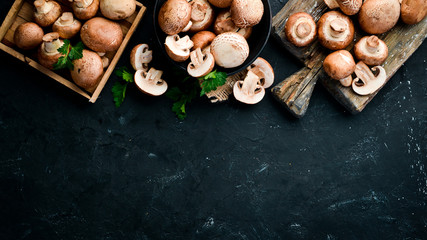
(74, 170)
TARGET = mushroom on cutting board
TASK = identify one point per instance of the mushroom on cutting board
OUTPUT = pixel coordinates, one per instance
(300, 29)
(150, 82)
(340, 65)
(264, 71)
(28, 36)
(246, 13)
(203, 40)
(224, 23)
(413, 11)
(46, 12)
(230, 49)
(48, 54)
(140, 57)
(67, 26)
(349, 7)
(174, 16)
(201, 63)
(366, 82)
(178, 48)
(101, 35)
(85, 9)
(371, 50)
(202, 15)
(220, 3)
(117, 9)
(335, 30)
(379, 16)
(249, 90)
(88, 70)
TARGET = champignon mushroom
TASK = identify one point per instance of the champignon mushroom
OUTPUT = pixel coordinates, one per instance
(336, 30)
(67, 26)
(264, 71)
(340, 65)
(220, 3)
(46, 12)
(203, 40)
(174, 16)
(101, 35)
(300, 29)
(140, 57)
(150, 82)
(88, 70)
(224, 23)
(201, 63)
(246, 13)
(117, 9)
(366, 82)
(178, 48)
(85, 9)
(413, 11)
(349, 7)
(48, 53)
(371, 50)
(379, 16)
(249, 90)
(202, 15)
(28, 36)
(230, 49)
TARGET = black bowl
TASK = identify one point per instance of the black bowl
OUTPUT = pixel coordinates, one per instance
(257, 41)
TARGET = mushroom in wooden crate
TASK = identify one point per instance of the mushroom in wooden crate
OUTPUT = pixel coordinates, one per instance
(349, 7)
(46, 12)
(28, 36)
(140, 57)
(366, 82)
(339, 66)
(379, 16)
(85, 9)
(371, 50)
(178, 48)
(88, 70)
(174, 16)
(117, 9)
(48, 53)
(101, 35)
(151, 82)
(300, 29)
(67, 26)
(335, 30)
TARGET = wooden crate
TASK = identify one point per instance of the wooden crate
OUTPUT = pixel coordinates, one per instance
(22, 11)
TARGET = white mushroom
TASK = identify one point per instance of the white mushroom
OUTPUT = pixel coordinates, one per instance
(140, 57)
(201, 63)
(249, 90)
(264, 71)
(150, 82)
(178, 48)
(230, 49)
(366, 82)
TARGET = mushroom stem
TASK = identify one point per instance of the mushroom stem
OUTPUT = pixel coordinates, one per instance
(337, 27)
(83, 3)
(303, 29)
(184, 42)
(66, 18)
(196, 57)
(372, 44)
(250, 83)
(52, 42)
(42, 6)
(154, 76)
(346, 82)
(332, 4)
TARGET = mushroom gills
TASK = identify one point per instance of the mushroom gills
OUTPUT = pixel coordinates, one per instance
(249, 90)
(150, 82)
(142, 57)
(201, 63)
(367, 82)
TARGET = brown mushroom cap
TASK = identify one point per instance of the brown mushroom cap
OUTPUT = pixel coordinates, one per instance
(67, 26)
(85, 9)
(224, 23)
(48, 54)
(202, 15)
(379, 16)
(230, 49)
(336, 30)
(348, 7)
(300, 29)
(28, 36)
(246, 13)
(46, 12)
(371, 50)
(202, 39)
(117, 9)
(220, 3)
(413, 11)
(174, 16)
(339, 64)
(101, 35)
(88, 70)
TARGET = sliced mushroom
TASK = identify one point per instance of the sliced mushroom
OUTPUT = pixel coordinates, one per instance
(349, 7)
(224, 23)
(371, 50)
(336, 30)
(202, 15)
(28, 36)
(340, 65)
(264, 71)
(178, 48)
(85, 9)
(413, 11)
(379, 16)
(220, 3)
(67, 26)
(203, 40)
(174, 16)
(88, 70)
(140, 57)
(249, 90)
(300, 29)
(201, 63)
(230, 49)
(101, 35)
(117, 9)
(150, 82)
(48, 53)
(246, 13)
(46, 12)
(366, 82)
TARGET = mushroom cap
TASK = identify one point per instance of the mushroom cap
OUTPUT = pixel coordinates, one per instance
(117, 9)
(224, 23)
(201, 63)
(264, 71)
(366, 82)
(203, 39)
(348, 7)
(339, 64)
(46, 12)
(67, 26)
(47, 54)
(230, 49)
(413, 11)
(253, 96)
(178, 48)
(28, 36)
(150, 82)
(246, 13)
(88, 70)
(174, 16)
(336, 30)
(101, 35)
(140, 56)
(85, 13)
(300, 29)
(221, 3)
(202, 15)
(371, 50)
(379, 16)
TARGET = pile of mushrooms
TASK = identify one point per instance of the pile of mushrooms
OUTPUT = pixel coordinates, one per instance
(100, 35)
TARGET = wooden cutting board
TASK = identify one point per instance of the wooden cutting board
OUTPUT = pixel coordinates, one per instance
(295, 91)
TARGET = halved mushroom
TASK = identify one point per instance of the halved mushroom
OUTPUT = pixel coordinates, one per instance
(140, 57)
(366, 82)
(249, 90)
(85, 9)
(174, 16)
(349, 7)
(300, 29)
(264, 71)
(203, 40)
(379, 16)
(46, 12)
(224, 23)
(413, 11)
(117, 9)
(178, 48)
(246, 13)
(48, 53)
(28, 36)
(88, 70)
(336, 30)
(202, 15)
(101, 35)
(150, 82)
(201, 63)
(340, 65)
(67, 26)
(371, 50)
(230, 49)
(220, 3)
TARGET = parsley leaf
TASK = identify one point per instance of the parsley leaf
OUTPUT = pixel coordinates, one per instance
(76, 52)
(124, 73)
(119, 87)
(69, 53)
(182, 98)
(212, 81)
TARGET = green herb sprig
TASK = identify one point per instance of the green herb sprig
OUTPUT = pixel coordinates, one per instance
(212, 81)
(69, 54)
(183, 96)
(119, 87)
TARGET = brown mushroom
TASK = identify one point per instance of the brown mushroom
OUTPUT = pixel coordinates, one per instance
(340, 65)
(336, 30)
(230, 49)
(371, 50)
(379, 16)
(88, 70)
(300, 29)
(101, 35)
(151, 82)
(202, 15)
(349, 7)
(140, 57)
(413, 11)
(174, 16)
(246, 13)
(85, 9)
(28, 36)
(46, 12)
(67, 26)
(249, 90)
(366, 82)
(221, 3)
(117, 9)
(224, 23)
(264, 71)
(48, 53)
(178, 48)
(203, 40)
(201, 63)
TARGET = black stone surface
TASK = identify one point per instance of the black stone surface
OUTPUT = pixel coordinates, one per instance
(74, 170)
